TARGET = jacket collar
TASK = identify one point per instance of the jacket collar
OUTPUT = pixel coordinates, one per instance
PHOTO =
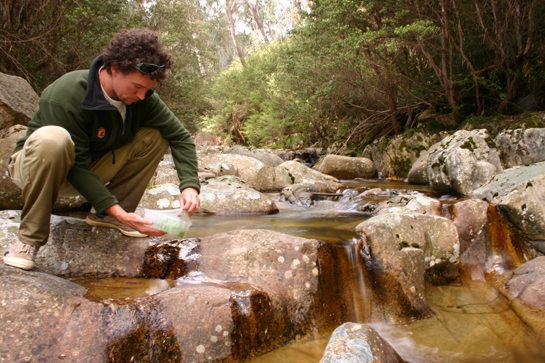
(94, 98)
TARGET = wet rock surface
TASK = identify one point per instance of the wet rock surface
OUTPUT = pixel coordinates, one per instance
(353, 342)
(398, 249)
(518, 193)
(525, 289)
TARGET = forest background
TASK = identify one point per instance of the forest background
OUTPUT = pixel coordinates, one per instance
(266, 73)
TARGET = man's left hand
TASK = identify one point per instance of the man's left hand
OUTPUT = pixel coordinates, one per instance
(189, 200)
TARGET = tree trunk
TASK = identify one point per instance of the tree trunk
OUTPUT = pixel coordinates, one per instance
(233, 35)
(253, 9)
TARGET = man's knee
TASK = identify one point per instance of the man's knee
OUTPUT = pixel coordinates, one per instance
(52, 142)
(152, 137)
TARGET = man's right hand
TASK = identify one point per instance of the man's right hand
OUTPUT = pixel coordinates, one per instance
(134, 221)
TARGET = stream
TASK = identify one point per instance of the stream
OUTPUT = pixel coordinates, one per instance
(470, 323)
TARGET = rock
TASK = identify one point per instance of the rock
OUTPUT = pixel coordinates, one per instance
(352, 342)
(518, 193)
(76, 248)
(265, 156)
(232, 195)
(302, 273)
(472, 223)
(419, 170)
(165, 196)
(464, 162)
(526, 293)
(395, 155)
(165, 174)
(40, 319)
(258, 175)
(398, 249)
(10, 194)
(521, 146)
(410, 204)
(300, 173)
(18, 101)
(344, 167)
(303, 193)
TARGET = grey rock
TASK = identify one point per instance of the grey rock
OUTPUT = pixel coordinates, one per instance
(521, 147)
(18, 101)
(518, 193)
(265, 156)
(463, 163)
(358, 343)
(231, 195)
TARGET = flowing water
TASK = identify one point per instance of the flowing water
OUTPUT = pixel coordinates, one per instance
(470, 323)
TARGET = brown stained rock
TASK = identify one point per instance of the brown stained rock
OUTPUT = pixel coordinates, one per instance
(399, 248)
(353, 342)
(345, 167)
(472, 223)
(224, 322)
(303, 273)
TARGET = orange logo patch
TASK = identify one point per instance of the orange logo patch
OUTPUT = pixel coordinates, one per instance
(101, 132)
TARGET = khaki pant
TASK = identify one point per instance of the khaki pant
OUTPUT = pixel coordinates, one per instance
(40, 170)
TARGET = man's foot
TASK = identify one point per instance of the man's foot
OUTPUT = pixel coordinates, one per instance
(21, 255)
(109, 221)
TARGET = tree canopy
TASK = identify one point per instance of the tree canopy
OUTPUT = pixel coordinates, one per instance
(274, 74)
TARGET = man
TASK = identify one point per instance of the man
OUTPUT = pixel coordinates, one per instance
(101, 133)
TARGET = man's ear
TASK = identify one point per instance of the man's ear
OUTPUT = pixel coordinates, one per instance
(114, 70)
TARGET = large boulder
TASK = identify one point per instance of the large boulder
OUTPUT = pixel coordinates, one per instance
(399, 249)
(464, 162)
(300, 173)
(418, 174)
(395, 155)
(232, 195)
(521, 146)
(352, 342)
(18, 101)
(518, 193)
(258, 175)
(345, 167)
(265, 156)
(10, 194)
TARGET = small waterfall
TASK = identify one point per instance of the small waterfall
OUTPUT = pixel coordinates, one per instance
(359, 293)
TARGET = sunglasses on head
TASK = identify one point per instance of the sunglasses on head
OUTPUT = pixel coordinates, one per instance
(147, 68)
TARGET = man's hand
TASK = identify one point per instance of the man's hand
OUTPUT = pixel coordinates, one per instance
(189, 200)
(133, 220)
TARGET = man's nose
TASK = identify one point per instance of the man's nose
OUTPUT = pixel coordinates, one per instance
(141, 94)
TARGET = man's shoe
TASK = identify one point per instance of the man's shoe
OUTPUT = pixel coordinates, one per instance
(108, 221)
(21, 255)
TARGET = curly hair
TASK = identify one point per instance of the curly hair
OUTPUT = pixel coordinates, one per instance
(133, 46)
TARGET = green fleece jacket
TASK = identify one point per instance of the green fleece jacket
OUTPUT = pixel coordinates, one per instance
(76, 102)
